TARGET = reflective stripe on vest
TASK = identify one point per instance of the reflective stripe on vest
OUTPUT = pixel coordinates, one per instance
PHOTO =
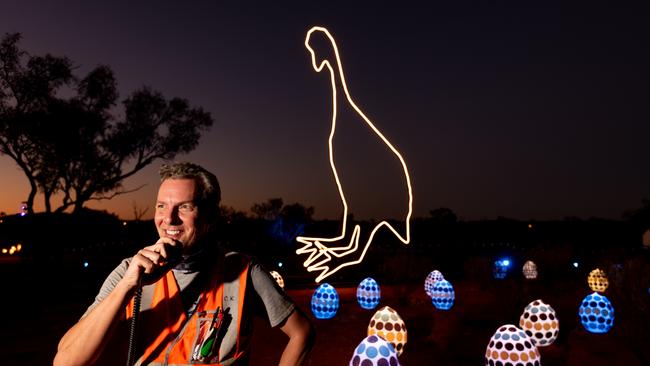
(169, 338)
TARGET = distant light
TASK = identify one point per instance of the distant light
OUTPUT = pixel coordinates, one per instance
(19, 247)
(575, 264)
(4, 250)
(85, 264)
(506, 262)
(530, 226)
(279, 264)
(124, 223)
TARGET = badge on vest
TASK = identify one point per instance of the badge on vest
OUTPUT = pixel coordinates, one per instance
(209, 337)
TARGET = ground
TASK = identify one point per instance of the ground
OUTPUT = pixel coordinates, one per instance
(38, 307)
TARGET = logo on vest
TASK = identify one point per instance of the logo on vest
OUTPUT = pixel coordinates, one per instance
(229, 298)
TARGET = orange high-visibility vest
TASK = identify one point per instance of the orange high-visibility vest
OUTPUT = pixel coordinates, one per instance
(166, 334)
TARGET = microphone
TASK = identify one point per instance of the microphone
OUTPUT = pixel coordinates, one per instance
(174, 256)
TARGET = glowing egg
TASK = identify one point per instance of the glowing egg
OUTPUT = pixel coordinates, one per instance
(530, 270)
(540, 323)
(368, 293)
(500, 269)
(442, 295)
(276, 276)
(511, 346)
(325, 302)
(387, 324)
(596, 313)
(597, 280)
(374, 351)
(431, 279)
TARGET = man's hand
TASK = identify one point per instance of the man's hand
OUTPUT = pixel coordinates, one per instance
(152, 262)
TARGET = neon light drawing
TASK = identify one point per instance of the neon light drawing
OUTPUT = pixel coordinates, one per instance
(329, 259)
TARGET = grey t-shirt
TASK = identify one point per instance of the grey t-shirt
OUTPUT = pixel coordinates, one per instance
(263, 297)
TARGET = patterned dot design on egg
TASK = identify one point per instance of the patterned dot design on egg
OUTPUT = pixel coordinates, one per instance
(596, 313)
(368, 293)
(499, 271)
(597, 280)
(540, 323)
(276, 276)
(374, 351)
(511, 346)
(388, 325)
(430, 281)
(325, 302)
(530, 270)
(442, 295)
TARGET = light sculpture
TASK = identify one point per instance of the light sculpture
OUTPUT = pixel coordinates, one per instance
(443, 295)
(597, 280)
(431, 279)
(368, 293)
(278, 278)
(500, 269)
(530, 270)
(328, 255)
(325, 302)
(387, 324)
(511, 346)
(540, 323)
(374, 351)
(596, 313)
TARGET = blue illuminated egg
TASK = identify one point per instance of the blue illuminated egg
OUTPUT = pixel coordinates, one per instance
(431, 279)
(368, 293)
(325, 302)
(500, 269)
(374, 351)
(443, 295)
(596, 313)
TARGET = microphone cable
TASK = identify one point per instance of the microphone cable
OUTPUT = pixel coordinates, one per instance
(134, 322)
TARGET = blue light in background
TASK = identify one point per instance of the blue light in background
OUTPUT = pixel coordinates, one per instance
(85, 264)
(280, 264)
(506, 262)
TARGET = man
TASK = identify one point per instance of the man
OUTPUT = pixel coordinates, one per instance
(199, 312)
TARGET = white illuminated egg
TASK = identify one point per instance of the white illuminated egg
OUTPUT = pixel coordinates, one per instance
(276, 276)
(368, 293)
(530, 270)
(387, 324)
(511, 346)
(443, 295)
(325, 302)
(597, 280)
(431, 279)
(540, 323)
(374, 351)
(596, 313)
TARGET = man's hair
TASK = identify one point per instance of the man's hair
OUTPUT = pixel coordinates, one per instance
(209, 192)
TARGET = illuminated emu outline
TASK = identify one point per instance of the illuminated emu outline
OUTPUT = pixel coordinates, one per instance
(319, 254)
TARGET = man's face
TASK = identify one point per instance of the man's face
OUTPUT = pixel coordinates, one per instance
(177, 213)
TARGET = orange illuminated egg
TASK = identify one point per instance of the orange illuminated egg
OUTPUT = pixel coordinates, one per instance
(388, 325)
(540, 323)
(278, 278)
(597, 280)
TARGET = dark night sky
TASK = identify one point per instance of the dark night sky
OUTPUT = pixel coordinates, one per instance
(529, 110)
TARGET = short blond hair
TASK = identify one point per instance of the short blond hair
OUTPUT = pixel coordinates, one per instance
(209, 191)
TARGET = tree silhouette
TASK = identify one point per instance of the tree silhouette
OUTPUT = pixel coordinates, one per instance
(77, 146)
